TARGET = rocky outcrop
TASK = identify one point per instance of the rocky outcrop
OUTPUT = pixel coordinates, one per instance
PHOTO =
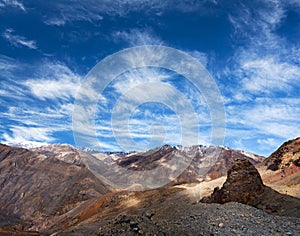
(286, 155)
(244, 185)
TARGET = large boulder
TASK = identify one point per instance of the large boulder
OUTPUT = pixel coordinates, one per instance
(243, 184)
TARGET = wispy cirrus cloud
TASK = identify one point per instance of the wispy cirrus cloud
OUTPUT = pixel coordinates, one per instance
(54, 81)
(47, 80)
(156, 102)
(265, 64)
(262, 103)
(256, 22)
(269, 75)
(270, 118)
(7, 66)
(17, 40)
(13, 3)
(96, 10)
(137, 37)
(36, 102)
(21, 134)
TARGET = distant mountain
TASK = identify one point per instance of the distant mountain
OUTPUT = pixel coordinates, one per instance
(206, 162)
(94, 151)
(27, 145)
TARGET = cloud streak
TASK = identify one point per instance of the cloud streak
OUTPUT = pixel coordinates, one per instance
(55, 82)
(36, 109)
(17, 40)
(136, 37)
(267, 75)
(262, 103)
(97, 10)
(12, 3)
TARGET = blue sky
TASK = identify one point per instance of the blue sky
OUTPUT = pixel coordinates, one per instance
(250, 48)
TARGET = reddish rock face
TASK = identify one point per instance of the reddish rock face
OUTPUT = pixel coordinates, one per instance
(286, 155)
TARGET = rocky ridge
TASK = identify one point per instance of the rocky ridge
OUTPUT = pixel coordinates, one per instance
(286, 155)
(206, 162)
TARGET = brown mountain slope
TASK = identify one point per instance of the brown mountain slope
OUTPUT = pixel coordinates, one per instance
(281, 170)
(37, 185)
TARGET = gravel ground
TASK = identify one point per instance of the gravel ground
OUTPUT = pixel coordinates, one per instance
(202, 219)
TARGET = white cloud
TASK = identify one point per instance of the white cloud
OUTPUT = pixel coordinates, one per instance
(266, 64)
(202, 57)
(269, 142)
(136, 87)
(129, 121)
(256, 22)
(55, 21)
(134, 78)
(27, 119)
(12, 3)
(56, 81)
(21, 134)
(95, 10)
(262, 103)
(9, 86)
(267, 75)
(265, 117)
(136, 37)
(294, 4)
(34, 124)
(17, 40)
(7, 66)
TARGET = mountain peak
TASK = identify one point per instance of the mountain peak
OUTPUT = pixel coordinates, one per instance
(63, 152)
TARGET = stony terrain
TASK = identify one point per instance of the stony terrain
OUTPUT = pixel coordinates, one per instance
(203, 219)
(50, 190)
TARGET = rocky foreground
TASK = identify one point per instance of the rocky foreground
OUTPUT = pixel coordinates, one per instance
(50, 191)
(202, 219)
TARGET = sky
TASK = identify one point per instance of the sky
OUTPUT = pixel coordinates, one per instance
(250, 49)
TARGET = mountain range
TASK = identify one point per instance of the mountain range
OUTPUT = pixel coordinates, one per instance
(61, 190)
